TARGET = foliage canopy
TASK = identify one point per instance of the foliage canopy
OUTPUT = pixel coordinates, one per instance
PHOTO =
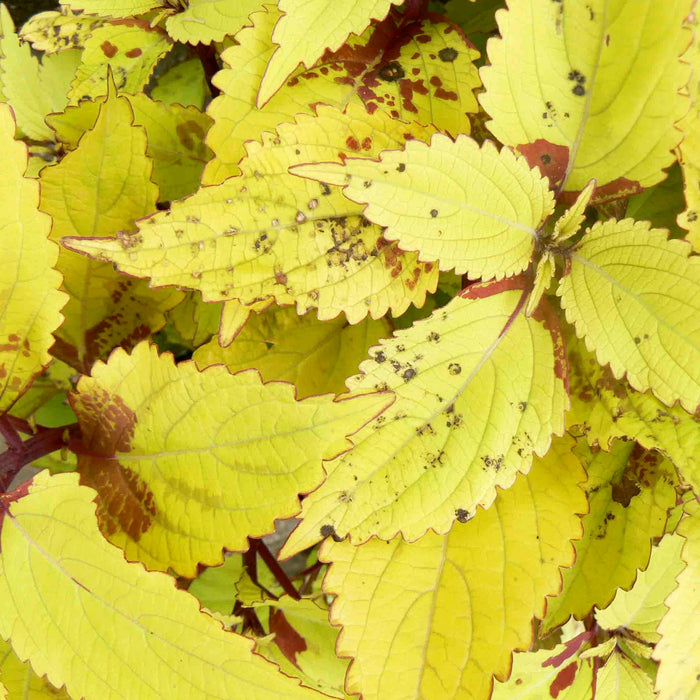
(422, 276)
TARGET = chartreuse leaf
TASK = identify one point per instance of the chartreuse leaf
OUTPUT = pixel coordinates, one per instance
(53, 31)
(678, 651)
(468, 596)
(195, 321)
(272, 235)
(630, 492)
(215, 587)
(474, 209)
(175, 139)
(105, 627)
(640, 609)
(690, 146)
(188, 462)
(211, 20)
(544, 273)
(307, 29)
(30, 300)
(100, 189)
(419, 71)
(574, 81)
(604, 408)
(131, 48)
(304, 644)
(635, 298)
(23, 85)
(437, 453)
(21, 681)
(184, 83)
(621, 679)
(113, 8)
(315, 356)
(569, 222)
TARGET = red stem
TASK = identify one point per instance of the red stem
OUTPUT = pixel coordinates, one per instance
(277, 571)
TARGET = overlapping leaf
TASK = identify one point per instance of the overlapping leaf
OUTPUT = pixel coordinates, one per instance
(479, 388)
(621, 679)
(473, 209)
(211, 20)
(630, 492)
(32, 89)
(30, 300)
(420, 71)
(113, 8)
(130, 47)
(635, 298)
(593, 87)
(21, 681)
(640, 609)
(184, 83)
(271, 235)
(100, 189)
(315, 356)
(468, 596)
(678, 651)
(104, 627)
(54, 31)
(604, 408)
(189, 462)
(307, 28)
(175, 139)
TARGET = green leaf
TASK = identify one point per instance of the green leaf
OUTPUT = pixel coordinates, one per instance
(30, 300)
(100, 189)
(131, 48)
(630, 492)
(306, 29)
(315, 356)
(640, 318)
(211, 20)
(185, 84)
(468, 596)
(640, 609)
(473, 209)
(439, 451)
(215, 587)
(604, 408)
(594, 86)
(678, 651)
(104, 627)
(189, 462)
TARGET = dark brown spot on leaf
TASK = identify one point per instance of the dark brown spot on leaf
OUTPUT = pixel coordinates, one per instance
(448, 54)
(391, 72)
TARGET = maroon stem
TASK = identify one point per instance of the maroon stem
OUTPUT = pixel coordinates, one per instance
(20, 453)
(277, 571)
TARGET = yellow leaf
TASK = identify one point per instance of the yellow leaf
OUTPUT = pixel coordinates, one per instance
(31, 94)
(630, 492)
(679, 649)
(104, 627)
(420, 71)
(100, 189)
(315, 356)
(184, 84)
(569, 223)
(594, 85)
(113, 8)
(604, 408)
(436, 618)
(211, 20)
(621, 679)
(642, 319)
(544, 273)
(536, 677)
(690, 146)
(188, 462)
(640, 609)
(21, 681)
(473, 209)
(53, 31)
(307, 29)
(479, 388)
(175, 139)
(30, 300)
(271, 235)
(130, 47)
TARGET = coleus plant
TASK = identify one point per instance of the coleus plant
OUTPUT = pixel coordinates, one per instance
(434, 295)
